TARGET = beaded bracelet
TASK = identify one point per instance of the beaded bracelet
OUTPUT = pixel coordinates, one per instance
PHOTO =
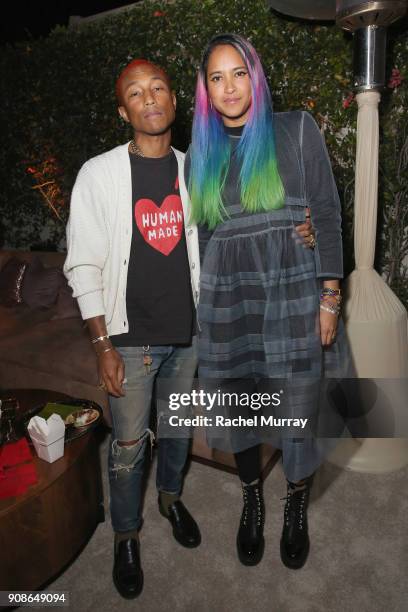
(332, 309)
(331, 294)
(329, 291)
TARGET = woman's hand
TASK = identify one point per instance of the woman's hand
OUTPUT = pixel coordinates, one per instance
(111, 369)
(330, 302)
(328, 327)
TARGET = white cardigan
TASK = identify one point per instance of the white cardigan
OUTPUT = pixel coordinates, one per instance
(99, 235)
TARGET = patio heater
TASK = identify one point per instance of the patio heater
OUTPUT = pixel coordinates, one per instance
(376, 321)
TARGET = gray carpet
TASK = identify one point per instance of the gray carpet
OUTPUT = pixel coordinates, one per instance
(358, 560)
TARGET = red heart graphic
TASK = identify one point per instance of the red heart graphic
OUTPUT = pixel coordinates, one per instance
(160, 226)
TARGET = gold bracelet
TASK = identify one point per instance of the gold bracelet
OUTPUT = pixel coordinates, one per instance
(110, 348)
(330, 291)
(99, 339)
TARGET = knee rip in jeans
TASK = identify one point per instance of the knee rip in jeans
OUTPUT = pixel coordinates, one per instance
(126, 453)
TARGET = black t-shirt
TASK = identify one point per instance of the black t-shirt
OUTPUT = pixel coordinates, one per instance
(159, 302)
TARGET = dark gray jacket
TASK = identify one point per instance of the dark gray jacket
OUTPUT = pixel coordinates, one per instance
(306, 173)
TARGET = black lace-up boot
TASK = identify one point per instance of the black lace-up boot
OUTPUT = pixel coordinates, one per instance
(294, 545)
(250, 540)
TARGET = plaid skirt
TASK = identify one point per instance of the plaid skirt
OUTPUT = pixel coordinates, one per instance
(259, 319)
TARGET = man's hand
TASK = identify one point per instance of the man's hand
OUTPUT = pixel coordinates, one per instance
(306, 232)
(111, 370)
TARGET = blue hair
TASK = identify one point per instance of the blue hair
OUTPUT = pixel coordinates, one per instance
(260, 182)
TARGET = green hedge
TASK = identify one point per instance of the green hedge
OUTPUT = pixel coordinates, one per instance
(59, 108)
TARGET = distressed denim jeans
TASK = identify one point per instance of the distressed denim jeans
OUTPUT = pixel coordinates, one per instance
(130, 421)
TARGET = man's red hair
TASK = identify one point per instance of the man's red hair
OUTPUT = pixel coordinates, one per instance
(134, 64)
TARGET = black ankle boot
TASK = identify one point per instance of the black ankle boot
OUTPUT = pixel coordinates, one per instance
(250, 540)
(294, 545)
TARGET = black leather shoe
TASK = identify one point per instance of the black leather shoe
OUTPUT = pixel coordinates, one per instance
(294, 545)
(250, 539)
(185, 529)
(127, 570)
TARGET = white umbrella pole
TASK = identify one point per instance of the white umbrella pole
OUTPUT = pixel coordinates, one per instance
(376, 321)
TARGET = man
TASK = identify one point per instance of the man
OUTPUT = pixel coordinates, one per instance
(133, 265)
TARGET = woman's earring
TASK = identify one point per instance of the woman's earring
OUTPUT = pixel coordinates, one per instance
(211, 104)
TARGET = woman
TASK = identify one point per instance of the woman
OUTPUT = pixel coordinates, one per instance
(268, 307)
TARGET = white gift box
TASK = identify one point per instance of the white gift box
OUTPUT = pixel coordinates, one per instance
(47, 436)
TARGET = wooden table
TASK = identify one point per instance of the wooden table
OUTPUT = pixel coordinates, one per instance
(42, 531)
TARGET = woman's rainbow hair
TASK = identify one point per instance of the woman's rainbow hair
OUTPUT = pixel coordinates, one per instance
(261, 185)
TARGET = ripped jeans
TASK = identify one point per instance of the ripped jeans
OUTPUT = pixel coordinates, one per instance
(130, 421)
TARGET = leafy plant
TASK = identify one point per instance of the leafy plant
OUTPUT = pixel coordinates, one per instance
(58, 103)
